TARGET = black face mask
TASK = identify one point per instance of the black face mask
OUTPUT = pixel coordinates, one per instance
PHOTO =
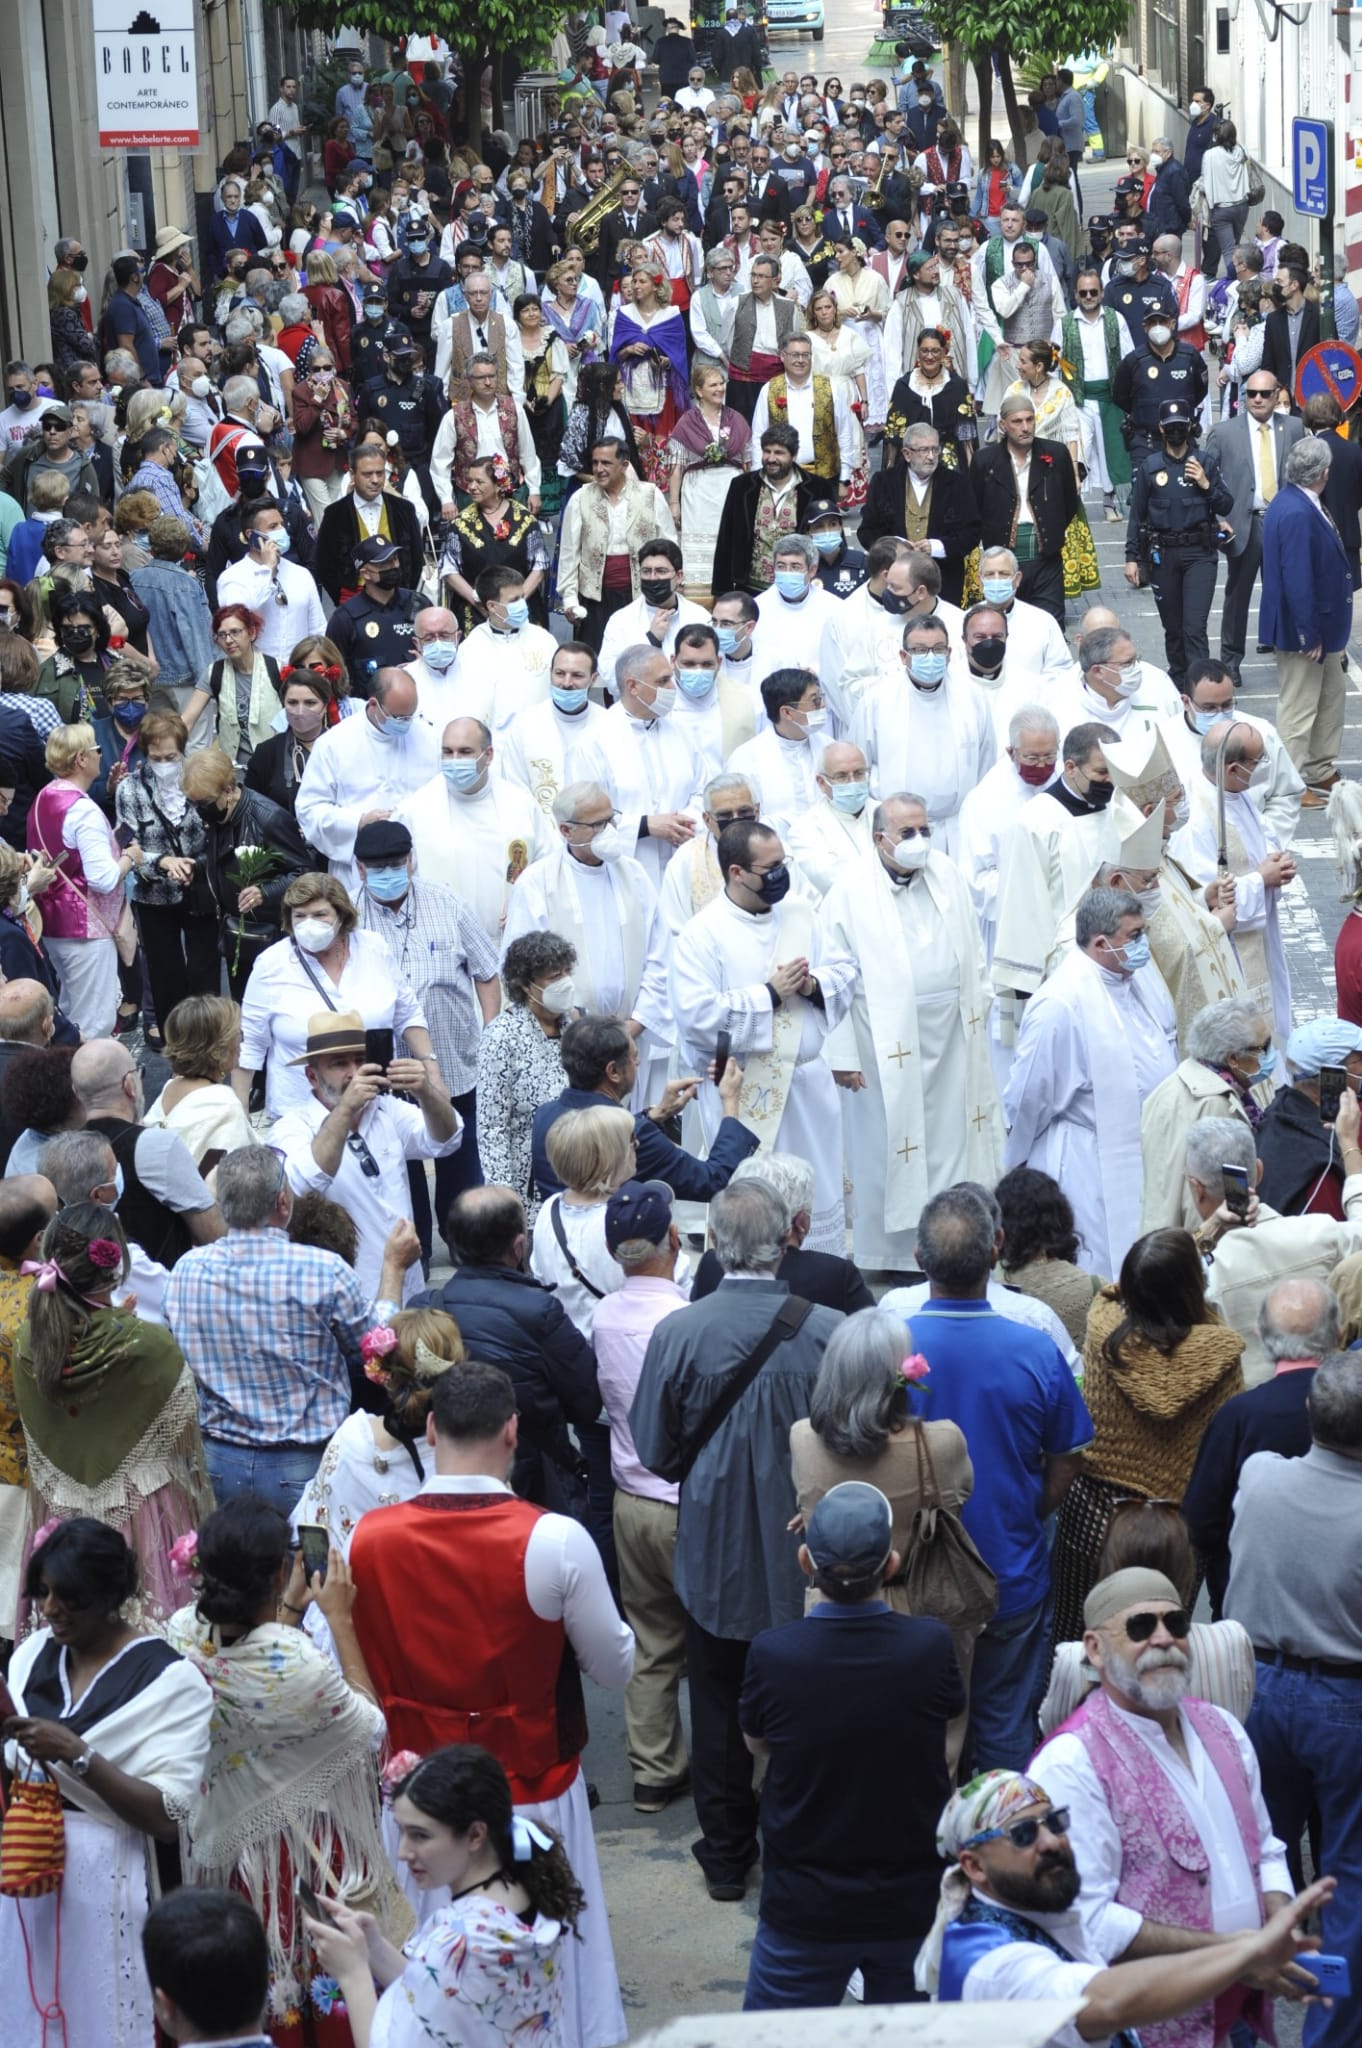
(774, 885)
(656, 590)
(988, 653)
(401, 367)
(895, 605)
(253, 482)
(389, 580)
(78, 639)
(80, 262)
(1099, 794)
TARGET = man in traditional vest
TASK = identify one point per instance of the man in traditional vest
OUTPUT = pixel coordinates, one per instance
(762, 325)
(1188, 287)
(514, 1606)
(817, 411)
(1173, 1839)
(489, 424)
(479, 331)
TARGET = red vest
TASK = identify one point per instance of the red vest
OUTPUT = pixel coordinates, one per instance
(454, 1647)
(466, 440)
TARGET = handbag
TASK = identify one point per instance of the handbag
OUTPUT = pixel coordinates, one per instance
(944, 1575)
(1257, 191)
(33, 1840)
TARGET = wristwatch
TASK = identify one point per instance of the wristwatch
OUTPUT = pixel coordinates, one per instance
(79, 1766)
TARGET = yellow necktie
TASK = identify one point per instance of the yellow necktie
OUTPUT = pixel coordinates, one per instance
(1267, 464)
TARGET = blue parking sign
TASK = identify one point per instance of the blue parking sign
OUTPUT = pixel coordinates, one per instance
(1312, 167)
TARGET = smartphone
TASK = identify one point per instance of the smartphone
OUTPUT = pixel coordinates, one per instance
(315, 1543)
(1332, 1083)
(1330, 1973)
(310, 1903)
(722, 1046)
(1236, 1189)
(379, 1048)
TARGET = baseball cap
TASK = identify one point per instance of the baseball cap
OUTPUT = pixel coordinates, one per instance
(852, 1528)
(1175, 412)
(1323, 1042)
(640, 1209)
(819, 509)
(376, 550)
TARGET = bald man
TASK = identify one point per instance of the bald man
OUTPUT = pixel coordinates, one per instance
(441, 692)
(468, 821)
(164, 1203)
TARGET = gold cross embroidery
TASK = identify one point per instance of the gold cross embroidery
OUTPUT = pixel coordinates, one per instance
(979, 1119)
(906, 1151)
(900, 1054)
(972, 1020)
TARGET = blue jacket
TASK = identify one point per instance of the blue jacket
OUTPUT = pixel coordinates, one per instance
(690, 1179)
(508, 1319)
(179, 621)
(1169, 204)
(1307, 597)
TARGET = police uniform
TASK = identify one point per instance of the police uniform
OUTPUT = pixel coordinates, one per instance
(1144, 383)
(842, 573)
(371, 635)
(366, 350)
(1173, 525)
(408, 282)
(409, 409)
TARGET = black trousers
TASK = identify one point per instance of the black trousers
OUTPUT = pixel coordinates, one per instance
(721, 1765)
(463, 1169)
(1042, 583)
(181, 953)
(599, 610)
(1075, 157)
(1183, 583)
(1241, 575)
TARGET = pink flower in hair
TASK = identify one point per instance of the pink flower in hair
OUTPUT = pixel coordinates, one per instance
(105, 1253)
(913, 1368)
(182, 1557)
(374, 1347)
(49, 1528)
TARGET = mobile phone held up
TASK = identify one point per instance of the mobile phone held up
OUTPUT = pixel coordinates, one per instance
(1236, 1190)
(1332, 1083)
(315, 1543)
(309, 1902)
(722, 1052)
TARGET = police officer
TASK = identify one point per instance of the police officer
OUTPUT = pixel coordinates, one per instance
(841, 569)
(1165, 370)
(375, 629)
(366, 338)
(1132, 289)
(1178, 505)
(406, 402)
(416, 280)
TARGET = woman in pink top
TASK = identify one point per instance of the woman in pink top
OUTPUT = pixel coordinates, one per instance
(83, 904)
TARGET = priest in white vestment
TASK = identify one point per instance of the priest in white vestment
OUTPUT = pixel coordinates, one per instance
(543, 747)
(1095, 1042)
(863, 634)
(1047, 860)
(756, 964)
(1259, 867)
(508, 655)
(659, 611)
(588, 891)
(920, 728)
(644, 760)
(1209, 699)
(911, 1056)
(793, 613)
(785, 755)
(835, 833)
(364, 768)
(692, 879)
(715, 712)
(1189, 927)
(1117, 686)
(442, 691)
(1034, 636)
(472, 828)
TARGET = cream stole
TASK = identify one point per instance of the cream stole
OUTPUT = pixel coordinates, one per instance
(767, 1075)
(1250, 947)
(1191, 948)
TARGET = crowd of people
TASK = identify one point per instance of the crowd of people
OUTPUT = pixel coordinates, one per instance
(534, 688)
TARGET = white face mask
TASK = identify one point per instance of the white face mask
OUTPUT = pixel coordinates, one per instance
(1182, 811)
(664, 701)
(168, 772)
(1128, 680)
(812, 721)
(1150, 900)
(80, 295)
(313, 934)
(1160, 336)
(912, 854)
(607, 845)
(560, 996)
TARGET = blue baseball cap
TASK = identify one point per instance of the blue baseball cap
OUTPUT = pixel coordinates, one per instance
(852, 1527)
(640, 1210)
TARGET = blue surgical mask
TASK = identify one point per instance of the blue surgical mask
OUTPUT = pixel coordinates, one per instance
(396, 728)
(728, 639)
(790, 583)
(569, 701)
(388, 885)
(1202, 721)
(928, 668)
(1267, 1065)
(997, 589)
(695, 682)
(461, 773)
(440, 654)
(518, 613)
(851, 797)
(1135, 953)
(827, 543)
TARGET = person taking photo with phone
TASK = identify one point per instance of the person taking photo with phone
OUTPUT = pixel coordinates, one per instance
(1303, 1170)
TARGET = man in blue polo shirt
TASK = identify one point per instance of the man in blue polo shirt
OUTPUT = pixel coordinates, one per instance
(1010, 1392)
(848, 1826)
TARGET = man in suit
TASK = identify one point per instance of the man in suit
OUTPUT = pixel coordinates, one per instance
(843, 217)
(1306, 615)
(1251, 449)
(768, 195)
(815, 1276)
(1026, 487)
(1343, 492)
(935, 508)
(719, 213)
(1291, 330)
(365, 511)
(619, 230)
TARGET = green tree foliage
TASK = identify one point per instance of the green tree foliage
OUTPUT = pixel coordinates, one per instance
(1022, 29)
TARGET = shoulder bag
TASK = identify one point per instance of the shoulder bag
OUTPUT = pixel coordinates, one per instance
(790, 1318)
(944, 1575)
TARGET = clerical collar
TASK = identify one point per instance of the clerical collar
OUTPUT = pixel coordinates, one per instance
(1076, 806)
(741, 910)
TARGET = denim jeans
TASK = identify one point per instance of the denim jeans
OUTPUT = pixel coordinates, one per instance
(279, 1474)
(786, 1971)
(1307, 1731)
(1004, 1692)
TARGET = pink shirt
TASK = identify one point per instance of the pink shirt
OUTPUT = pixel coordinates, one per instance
(624, 1322)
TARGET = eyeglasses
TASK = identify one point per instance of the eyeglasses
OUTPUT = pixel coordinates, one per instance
(368, 1165)
(1022, 1833)
(1140, 1627)
(743, 817)
(1260, 391)
(598, 825)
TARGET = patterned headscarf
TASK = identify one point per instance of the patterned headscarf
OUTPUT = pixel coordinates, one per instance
(987, 1802)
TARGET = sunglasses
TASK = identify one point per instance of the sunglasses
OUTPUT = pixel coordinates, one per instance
(1022, 1833)
(1140, 1627)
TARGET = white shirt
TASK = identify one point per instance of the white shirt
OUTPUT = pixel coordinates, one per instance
(279, 998)
(1065, 1769)
(393, 1133)
(489, 443)
(628, 627)
(799, 398)
(695, 99)
(1023, 1971)
(302, 613)
(86, 830)
(764, 340)
(1258, 429)
(476, 838)
(513, 667)
(565, 1581)
(1022, 472)
(16, 422)
(352, 770)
